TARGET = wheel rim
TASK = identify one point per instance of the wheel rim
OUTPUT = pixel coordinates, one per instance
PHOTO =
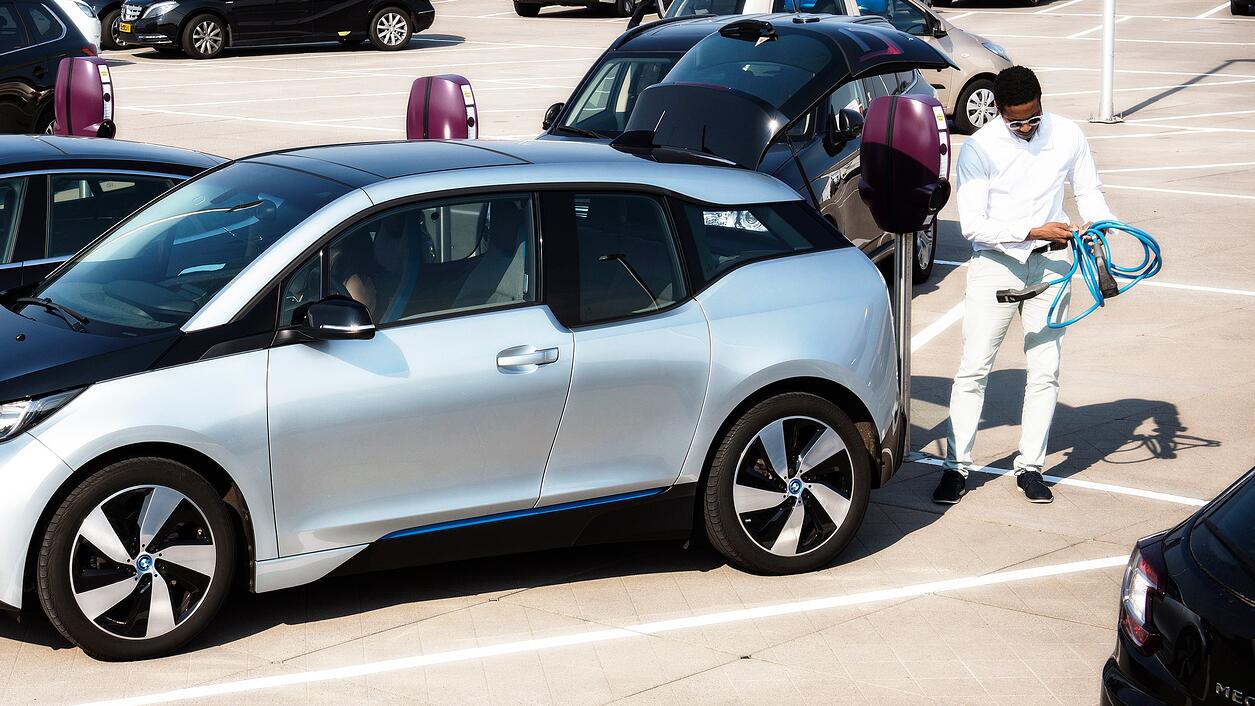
(391, 29)
(924, 242)
(207, 37)
(793, 486)
(142, 562)
(980, 107)
(115, 31)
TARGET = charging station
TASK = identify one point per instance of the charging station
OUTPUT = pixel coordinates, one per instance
(441, 108)
(83, 101)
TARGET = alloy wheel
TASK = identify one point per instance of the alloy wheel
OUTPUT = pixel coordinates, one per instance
(391, 28)
(793, 486)
(115, 31)
(142, 562)
(207, 37)
(925, 240)
(980, 107)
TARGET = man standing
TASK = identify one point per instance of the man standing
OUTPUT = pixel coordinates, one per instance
(1010, 177)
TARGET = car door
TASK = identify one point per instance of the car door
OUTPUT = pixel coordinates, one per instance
(28, 63)
(838, 174)
(252, 21)
(642, 349)
(305, 20)
(450, 411)
(12, 197)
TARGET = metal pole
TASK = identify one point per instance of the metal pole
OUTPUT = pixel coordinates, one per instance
(1106, 101)
(903, 280)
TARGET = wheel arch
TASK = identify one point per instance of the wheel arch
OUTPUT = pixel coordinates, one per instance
(958, 95)
(201, 464)
(208, 11)
(378, 5)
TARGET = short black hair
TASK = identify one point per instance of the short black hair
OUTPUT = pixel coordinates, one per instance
(1016, 85)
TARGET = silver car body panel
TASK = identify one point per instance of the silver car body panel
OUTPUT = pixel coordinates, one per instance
(291, 571)
(32, 475)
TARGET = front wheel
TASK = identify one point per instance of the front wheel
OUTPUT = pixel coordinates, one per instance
(925, 254)
(976, 106)
(526, 9)
(137, 560)
(110, 37)
(788, 486)
(204, 37)
(391, 29)
(625, 8)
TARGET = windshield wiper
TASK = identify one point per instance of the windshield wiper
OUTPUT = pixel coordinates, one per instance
(70, 316)
(578, 131)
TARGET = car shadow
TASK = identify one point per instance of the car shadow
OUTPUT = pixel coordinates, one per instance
(418, 42)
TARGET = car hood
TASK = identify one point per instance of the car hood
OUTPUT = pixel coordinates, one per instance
(40, 354)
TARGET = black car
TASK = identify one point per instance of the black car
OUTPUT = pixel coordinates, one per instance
(201, 29)
(1186, 631)
(108, 12)
(826, 139)
(58, 193)
(34, 38)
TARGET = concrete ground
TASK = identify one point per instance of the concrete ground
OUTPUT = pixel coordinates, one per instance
(991, 601)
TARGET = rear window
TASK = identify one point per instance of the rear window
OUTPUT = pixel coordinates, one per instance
(724, 238)
(1223, 541)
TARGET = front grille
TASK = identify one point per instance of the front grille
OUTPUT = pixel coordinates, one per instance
(130, 13)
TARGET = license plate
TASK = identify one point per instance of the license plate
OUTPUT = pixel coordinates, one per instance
(124, 27)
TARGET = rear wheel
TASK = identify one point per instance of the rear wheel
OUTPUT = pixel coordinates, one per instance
(788, 486)
(391, 29)
(925, 254)
(976, 106)
(625, 8)
(109, 31)
(204, 37)
(137, 560)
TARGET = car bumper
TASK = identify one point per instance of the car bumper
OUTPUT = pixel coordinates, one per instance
(149, 32)
(423, 20)
(1119, 690)
(32, 474)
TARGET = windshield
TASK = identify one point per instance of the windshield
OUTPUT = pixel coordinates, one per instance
(163, 264)
(1223, 541)
(607, 100)
(701, 8)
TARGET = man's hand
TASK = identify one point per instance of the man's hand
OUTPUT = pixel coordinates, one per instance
(1053, 232)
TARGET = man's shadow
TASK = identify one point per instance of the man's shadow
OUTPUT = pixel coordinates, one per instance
(1109, 432)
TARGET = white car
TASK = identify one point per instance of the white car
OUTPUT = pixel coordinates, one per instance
(84, 18)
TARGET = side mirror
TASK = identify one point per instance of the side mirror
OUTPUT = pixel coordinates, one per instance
(551, 115)
(846, 125)
(936, 27)
(336, 318)
(83, 98)
(905, 159)
(644, 7)
(441, 108)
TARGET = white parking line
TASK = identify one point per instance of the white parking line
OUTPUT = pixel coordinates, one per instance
(272, 121)
(1053, 7)
(1056, 480)
(1091, 30)
(612, 634)
(1149, 282)
(1120, 39)
(1191, 117)
(1212, 11)
(1155, 88)
(1198, 74)
(961, 15)
(1136, 17)
(936, 328)
(1183, 192)
(1177, 167)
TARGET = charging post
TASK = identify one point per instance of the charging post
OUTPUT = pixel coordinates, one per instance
(1106, 93)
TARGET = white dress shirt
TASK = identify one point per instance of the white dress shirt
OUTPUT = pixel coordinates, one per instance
(1007, 185)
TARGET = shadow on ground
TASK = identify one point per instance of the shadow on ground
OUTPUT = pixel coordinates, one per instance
(418, 43)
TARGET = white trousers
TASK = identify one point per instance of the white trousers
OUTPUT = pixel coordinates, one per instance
(985, 324)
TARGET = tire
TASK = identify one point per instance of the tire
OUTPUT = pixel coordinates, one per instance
(391, 29)
(801, 531)
(204, 37)
(109, 30)
(925, 254)
(625, 8)
(43, 124)
(526, 9)
(75, 575)
(975, 107)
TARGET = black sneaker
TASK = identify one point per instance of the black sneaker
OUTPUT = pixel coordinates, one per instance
(1035, 489)
(951, 489)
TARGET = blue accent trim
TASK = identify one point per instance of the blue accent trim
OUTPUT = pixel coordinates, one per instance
(516, 514)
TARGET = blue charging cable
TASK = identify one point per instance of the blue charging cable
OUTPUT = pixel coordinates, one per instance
(1092, 258)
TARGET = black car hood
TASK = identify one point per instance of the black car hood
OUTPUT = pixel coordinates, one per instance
(40, 354)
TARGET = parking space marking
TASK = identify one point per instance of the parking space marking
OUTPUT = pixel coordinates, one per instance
(961, 15)
(1091, 30)
(1136, 17)
(273, 121)
(1195, 74)
(1148, 282)
(1182, 192)
(1057, 480)
(1174, 168)
(1212, 11)
(1154, 88)
(1191, 117)
(1052, 8)
(936, 328)
(1121, 39)
(639, 630)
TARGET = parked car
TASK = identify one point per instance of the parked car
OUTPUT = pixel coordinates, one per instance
(109, 12)
(34, 37)
(604, 99)
(531, 8)
(705, 8)
(1240, 7)
(1186, 632)
(84, 19)
(57, 194)
(202, 29)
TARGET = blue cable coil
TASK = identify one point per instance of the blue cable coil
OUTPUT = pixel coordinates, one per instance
(1086, 262)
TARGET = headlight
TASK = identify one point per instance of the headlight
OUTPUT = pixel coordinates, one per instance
(17, 417)
(991, 46)
(159, 9)
(85, 8)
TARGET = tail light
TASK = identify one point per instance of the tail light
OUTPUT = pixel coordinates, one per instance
(1143, 581)
(90, 50)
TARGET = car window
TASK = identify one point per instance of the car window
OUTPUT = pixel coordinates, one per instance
(1223, 541)
(12, 36)
(608, 99)
(829, 7)
(82, 206)
(873, 88)
(698, 8)
(725, 238)
(428, 259)
(11, 191)
(900, 13)
(41, 23)
(849, 95)
(905, 79)
(627, 259)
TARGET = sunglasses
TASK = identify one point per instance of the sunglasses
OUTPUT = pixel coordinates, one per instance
(1032, 122)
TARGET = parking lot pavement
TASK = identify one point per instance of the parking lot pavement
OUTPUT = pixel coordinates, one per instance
(991, 601)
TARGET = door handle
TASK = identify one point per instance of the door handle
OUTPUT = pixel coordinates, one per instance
(523, 356)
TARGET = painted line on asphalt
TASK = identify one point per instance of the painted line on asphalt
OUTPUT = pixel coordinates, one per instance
(1148, 283)
(1177, 167)
(1212, 11)
(632, 631)
(1219, 114)
(1121, 39)
(1052, 8)
(1057, 480)
(272, 121)
(937, 327)
(1155, 88)
(1136, 17)
(1195, 74)
(1091, 30)
(961, 15)
(1183, 192)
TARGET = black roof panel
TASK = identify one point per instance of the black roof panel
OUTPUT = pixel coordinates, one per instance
(22, 152)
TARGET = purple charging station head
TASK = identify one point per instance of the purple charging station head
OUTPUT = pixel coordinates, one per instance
(441, 108)
(83, 100)
(905, 158)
